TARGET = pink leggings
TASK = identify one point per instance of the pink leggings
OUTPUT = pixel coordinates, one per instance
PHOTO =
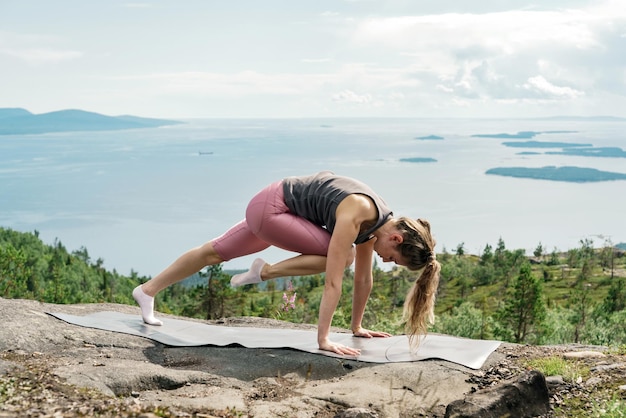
(269, 222)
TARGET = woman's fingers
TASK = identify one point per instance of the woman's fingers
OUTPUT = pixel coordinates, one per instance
(364, 333)
(343, 350)
(349, 351)
(340, 349)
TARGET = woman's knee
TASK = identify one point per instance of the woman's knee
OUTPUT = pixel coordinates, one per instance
(208, 254)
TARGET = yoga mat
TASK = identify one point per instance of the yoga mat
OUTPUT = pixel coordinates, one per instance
(182, 333)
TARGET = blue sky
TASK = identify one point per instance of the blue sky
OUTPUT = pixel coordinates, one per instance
(340, 58)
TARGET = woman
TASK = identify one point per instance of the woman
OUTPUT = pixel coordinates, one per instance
(331, 221)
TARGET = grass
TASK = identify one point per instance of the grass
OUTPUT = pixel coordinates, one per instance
(601, 407)
(607, 403)
(619, 350)
(570, 370)
(613, 408)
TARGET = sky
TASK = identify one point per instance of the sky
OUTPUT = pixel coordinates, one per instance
(296, 59)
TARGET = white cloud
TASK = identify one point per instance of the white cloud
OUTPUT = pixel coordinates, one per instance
(315, 60)
(413, 62)
(396, 96)
(351, 97)
(502, 32)
(137, 5)
(503, 57)
(542, 86)
(349, 77)
(41, 55)
(244, 83)
(35, 48)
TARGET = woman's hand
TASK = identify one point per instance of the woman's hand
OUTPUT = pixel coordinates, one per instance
(341, 349)
(364, 333)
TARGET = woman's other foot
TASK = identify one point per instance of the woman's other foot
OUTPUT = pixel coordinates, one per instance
(146, 303)
(251, 276)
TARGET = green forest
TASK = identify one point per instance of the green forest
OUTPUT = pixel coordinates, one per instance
(548, 297)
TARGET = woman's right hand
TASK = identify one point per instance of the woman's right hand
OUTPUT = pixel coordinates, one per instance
(337, 348)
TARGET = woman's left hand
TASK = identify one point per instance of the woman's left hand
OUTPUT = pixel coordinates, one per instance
(364, 333)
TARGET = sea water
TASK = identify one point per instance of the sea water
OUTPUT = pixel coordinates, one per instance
(137, 199)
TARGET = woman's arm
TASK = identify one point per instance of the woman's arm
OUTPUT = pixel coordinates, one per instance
(350, 214)
(339, 252)
(363, 282)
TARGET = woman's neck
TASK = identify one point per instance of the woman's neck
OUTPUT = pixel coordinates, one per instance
(386, 228)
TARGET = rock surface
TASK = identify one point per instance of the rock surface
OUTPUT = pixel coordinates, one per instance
(49, 367)
(526, 396)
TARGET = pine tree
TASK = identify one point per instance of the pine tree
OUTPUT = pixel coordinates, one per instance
(524, 309)
(13, 272)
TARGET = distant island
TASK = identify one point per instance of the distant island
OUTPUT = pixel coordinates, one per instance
(583, 118)
(568, 174)
(608, 152)
(567, 148)
(429, 137)
(418, 160)
(543, 144)
(17, 121)
(521, 135)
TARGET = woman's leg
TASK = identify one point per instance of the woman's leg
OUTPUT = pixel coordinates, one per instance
(186, 265)
(300, 265)
(236, 242)
(269, 219)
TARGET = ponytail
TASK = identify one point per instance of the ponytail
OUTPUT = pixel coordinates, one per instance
(418, 247)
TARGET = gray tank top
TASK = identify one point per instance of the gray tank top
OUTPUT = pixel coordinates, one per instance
(317, 196)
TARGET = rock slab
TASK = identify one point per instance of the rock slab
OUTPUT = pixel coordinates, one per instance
(526, 396)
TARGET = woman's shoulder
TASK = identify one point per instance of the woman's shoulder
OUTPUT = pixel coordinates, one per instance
(359, 207)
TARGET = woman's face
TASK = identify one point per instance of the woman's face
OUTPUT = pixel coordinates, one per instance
(388, 248)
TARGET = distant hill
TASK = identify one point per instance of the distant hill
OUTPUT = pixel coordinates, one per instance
(568, 174)
(16, 121)
(8, 112)
(418, 160)
(584, 118)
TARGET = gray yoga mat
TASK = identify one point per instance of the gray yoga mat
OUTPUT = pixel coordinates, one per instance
(182, 333)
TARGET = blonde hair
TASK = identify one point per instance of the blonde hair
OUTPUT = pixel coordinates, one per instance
(418, 249)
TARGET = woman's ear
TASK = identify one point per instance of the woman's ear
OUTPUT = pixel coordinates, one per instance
(397, 237)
